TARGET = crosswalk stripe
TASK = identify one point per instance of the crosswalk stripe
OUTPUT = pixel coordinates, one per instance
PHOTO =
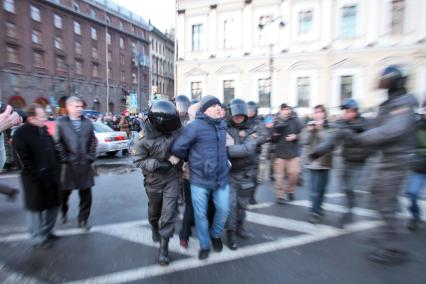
(227, 255)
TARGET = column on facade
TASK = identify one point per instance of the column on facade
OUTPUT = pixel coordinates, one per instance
(180, 34)
(326, 18)
(212, 33)
(247, 28)
(371, 25)
(285, 32)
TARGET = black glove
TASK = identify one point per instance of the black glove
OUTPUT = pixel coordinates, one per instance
(164, 166)
(314, 156)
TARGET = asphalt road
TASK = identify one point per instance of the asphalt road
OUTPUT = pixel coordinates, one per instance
(284, 248)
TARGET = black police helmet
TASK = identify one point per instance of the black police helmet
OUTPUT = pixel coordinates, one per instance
(164, 116)
(395, 77)
(237, 107)
(182, 103)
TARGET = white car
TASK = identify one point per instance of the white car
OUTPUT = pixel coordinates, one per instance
(110, 141)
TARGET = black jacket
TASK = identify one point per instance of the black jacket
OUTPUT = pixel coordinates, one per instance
(40, 173)
(77, 152)
(282, 128)
(351, 152)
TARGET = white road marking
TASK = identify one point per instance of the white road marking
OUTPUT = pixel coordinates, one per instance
(8, 276)
(287, 224)
(8, 176)
(226, 255)
(259, 205)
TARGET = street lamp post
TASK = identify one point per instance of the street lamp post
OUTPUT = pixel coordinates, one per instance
(271, 50)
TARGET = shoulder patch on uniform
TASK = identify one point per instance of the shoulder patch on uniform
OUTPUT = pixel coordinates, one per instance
(398, 110)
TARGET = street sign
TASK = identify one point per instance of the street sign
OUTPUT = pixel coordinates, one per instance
(132, 103)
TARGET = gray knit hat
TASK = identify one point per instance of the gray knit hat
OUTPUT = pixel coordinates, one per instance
(207, 102)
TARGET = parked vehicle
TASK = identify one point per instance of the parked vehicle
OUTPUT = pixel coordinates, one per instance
(110, 141)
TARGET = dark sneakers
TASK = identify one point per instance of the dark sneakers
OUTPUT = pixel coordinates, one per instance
(231, 240)
(163, 258)
(413, 225)
(314, 218)
(281, 201)
(290, 196)
(217, 244)
(53, 237)
(203, 254)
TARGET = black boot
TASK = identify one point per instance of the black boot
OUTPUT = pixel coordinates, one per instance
(163, 258)
(231, 240)
(155, 235)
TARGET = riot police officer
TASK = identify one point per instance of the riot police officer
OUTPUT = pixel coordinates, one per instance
(161, 170)
(242, 156)
(182, 104)
(393, 135)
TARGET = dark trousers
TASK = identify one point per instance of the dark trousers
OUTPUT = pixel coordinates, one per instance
(163, 206)
(318, 180)
(85, 203)
(188, 216)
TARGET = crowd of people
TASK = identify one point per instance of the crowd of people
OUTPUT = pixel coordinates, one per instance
(215, 156)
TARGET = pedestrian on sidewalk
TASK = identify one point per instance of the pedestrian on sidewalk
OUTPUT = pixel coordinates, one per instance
(76, 144)
(203, 144)
(40, 175)
(316, 132)
(162, 172)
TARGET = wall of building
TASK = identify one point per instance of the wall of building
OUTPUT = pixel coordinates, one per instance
(244, 53)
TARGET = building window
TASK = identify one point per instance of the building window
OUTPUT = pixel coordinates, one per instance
(10, 30)
(79, 67)
(95, 70)
(228, 90)
(57, 21)
(77, 28)
(9, 6)
(38, 59)
(196, 91)
(133, 47)
(123, 76)
(121, 25)
(134, 80)
(397, 22)
(303, 91)
(197, 31)
(132, 28)
(94, 52)
(35, 13)
(58, 43)
(349, 21)
(92, 13)
(12, 54)
(109, 56)
(108, 38)
(305, 21)
(108, 19)
(264, 90)
(121, 42)
(60, 64)
(121, 59)
(75, 6)
(36, 36)
(77, 48)
(93, 33)
(228, 33)
(346, 87)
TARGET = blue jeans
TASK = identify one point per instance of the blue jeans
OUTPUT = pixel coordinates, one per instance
(415, 184)
(351, 179)
(318, 180)
(200, 200)
(42, 223)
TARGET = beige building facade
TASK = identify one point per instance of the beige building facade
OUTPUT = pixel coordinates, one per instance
(301, 52)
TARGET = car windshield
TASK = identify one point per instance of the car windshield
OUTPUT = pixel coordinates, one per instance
(99, 127)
